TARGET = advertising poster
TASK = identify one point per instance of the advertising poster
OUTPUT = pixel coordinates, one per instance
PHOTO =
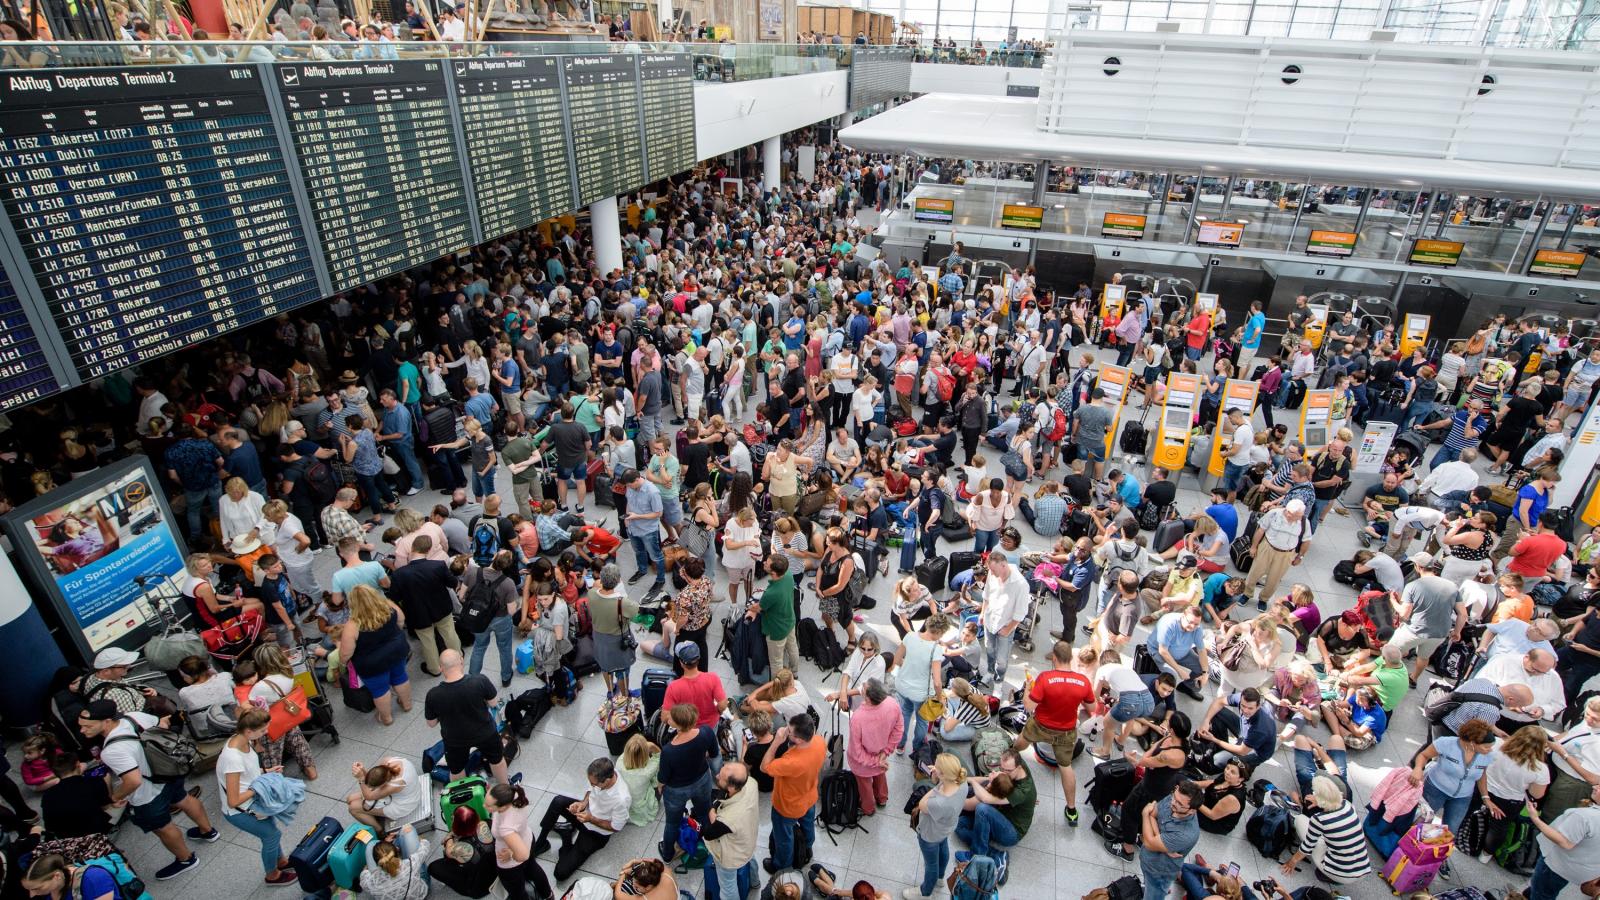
(95, 544)
(1015, 216)
(771, 13)
(1373, 447)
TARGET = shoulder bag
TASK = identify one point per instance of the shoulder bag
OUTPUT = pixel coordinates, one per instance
(288, 711)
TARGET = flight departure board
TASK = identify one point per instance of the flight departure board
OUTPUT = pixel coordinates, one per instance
(604, 124)
(666, 81)
(153, 207)
(511, 118)
(377, 148)
(25, 374)
(878, 74)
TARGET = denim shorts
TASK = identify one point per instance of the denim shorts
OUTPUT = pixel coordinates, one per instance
(380, 683)
(1093, 451)
(1133, 705)
(671, 511)
(573, 475)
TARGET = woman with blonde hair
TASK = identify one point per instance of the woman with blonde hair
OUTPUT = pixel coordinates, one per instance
(638, 766)
(239, 509)
(391, 877)
(935, 820)
(1517, 776)
(1207, 541)
(965, 713)
(477, 364)
(286, 535)
(741, 549)
(783, 697)
(374, 642)
(411, 523)
(274, 682)
(1259, 657)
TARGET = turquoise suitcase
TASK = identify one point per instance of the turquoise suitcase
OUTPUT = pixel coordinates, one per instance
(348, 856)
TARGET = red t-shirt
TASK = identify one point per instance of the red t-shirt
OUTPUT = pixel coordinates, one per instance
(1199, 327)
(703, 691)
(601, 542)
(1059, 694)
(1538, 552)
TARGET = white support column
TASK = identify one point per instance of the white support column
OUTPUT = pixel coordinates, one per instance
(772, 162)
(607, 229)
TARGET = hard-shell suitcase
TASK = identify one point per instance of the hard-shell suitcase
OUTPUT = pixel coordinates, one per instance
(1167, 534)
(348, 855)
(962, 561)
(1421, 854)
(522, 657)
(931, 573)
(653, 689)
(468, 791)
(310, 857)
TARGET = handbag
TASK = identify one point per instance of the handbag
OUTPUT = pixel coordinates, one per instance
(694, 538)
(390, 467)
(1232, 654)
(932, 709)
(627, 641)
(288, 711)
(165, 651)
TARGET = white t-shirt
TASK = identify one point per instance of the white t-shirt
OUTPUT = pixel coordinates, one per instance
(1511, 780)
(863, 404)
(1121, 678)
(248, 765)
(843, 360)
(124, 756)
(281, 537)
(1584, 743)
(794, 704)
(610, 804)
(1244, 437)
(218, 689)
(264, 693)
(408, 802)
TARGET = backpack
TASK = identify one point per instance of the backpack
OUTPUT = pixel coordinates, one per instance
(840, 804)
(563, 686)
(828, 655)
(1113, 780)
(1518, 852)
(1269, 829)
(583, 623)
(1438, 705)
(168, 754)
(478, 610)
(1128, 887)
(805, 638)
(322, 482)
(1135, 438)
(129, 885)
(1149, 516)
(857, 588)
(1058, 430)
(945, 384)
(524, 712)
(986, 750)
(485, 540)
(1118, 563)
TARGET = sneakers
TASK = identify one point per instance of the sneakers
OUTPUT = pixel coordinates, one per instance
(177, 867)
(1115, 849)
(414, 490)
(579, 509)
(195, 834)
(282, 878)
(912, 893)
(1002, 861)
(638, 576)
(541, 847)
(1364, 538)
(1072, 816)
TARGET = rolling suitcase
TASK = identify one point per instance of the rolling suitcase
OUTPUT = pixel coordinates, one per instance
(1167, 534)
(653, 689)
(310, 857)
(931, 573)
(962, 561)
(468, 791)
(1421, 854)
(348, 855)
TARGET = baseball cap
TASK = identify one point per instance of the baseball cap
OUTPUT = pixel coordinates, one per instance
(687, 651)
(101, 710)
(115, 656)
(1424, 560)
(1187, 561)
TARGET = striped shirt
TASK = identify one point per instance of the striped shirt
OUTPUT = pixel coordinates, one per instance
(967, 713)
(1344, 849)
(1457, 438)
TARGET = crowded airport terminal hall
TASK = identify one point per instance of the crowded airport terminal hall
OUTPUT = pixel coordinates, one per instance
(775, 450)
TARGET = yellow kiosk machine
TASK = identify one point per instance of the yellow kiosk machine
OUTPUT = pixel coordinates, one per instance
(1114, 381)
(1316, 415)
(1236, 394)
(1207, 302)
(1316, 326)
(1112, 297)
(1177, 413)
(1413, 332)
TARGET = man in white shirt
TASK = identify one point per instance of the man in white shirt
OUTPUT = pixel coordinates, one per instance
(1536, 669)
(150, 403)
(589, 823)
(844, 454)
(451, 28)
(1005, 602)
(151, 803)
(1238, 458)
(1408, 522)
(1449, 484)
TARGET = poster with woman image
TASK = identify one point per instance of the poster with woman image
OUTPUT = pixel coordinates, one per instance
(100, 544)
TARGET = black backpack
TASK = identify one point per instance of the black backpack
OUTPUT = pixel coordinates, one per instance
(829, 656)
(1437, 706)
(478, 610)
(1113, 781)
(524, 712)
(840, 804)
(1135, 438)
(321, 481)
(805, 637)
(1128, 887)
(1269, 829)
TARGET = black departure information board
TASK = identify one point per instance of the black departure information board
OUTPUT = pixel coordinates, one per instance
(377, 148)
(25, 374)
(878, 74)
(153, 206)
(603, 124)
(516, 145)
(667, 83)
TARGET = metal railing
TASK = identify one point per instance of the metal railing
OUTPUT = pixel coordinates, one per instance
(966, 55)
(712, 62)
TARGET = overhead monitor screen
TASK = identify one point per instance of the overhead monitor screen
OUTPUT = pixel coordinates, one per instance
(1560, 263)
(1016, 216)
(1123, 225)
(1426, 252)
(1220, 234)
(933, 209)
(1331, 243)
(516, 142)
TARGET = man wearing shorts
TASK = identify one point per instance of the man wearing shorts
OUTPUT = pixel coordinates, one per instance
(1089, 429)
(150, 802)
(1430, 610)
(459, 707)
(571, 442)
(1053, 706)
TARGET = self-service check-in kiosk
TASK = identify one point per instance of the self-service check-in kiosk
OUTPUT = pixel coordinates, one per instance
(1413, 332)
(1316, 415)
(1236, 394)
(1112, 298)
(1316, 326)
(1177, 415)
(1114, 381)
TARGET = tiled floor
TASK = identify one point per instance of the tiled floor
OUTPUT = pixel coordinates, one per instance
(1053, 861)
